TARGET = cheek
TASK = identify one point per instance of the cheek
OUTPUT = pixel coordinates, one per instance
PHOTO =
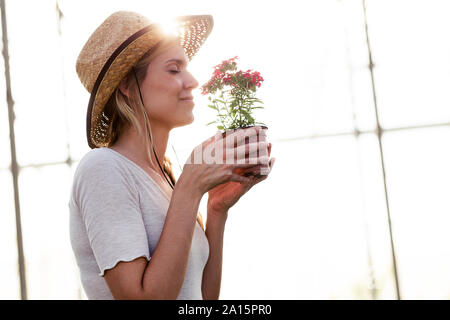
(166, 88)
(162, 96)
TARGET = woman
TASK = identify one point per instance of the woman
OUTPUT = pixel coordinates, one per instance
(133, 229)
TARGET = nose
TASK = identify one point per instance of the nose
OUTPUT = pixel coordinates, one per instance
(191, 82)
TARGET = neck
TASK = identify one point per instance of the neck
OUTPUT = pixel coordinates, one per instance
(132, 144)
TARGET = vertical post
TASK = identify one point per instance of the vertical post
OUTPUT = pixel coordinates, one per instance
(59, 18)
(379, 133)
(357, 132)
(14, 165)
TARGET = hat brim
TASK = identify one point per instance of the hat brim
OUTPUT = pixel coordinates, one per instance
(124, 58)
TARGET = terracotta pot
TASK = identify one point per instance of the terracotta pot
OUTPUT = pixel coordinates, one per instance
(261, 137)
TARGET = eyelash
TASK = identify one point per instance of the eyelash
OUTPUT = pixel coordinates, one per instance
(173, 71)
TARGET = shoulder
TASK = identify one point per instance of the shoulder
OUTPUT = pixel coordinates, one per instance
(101, 164)
(100, 171)
(96, 159)
(96, 156)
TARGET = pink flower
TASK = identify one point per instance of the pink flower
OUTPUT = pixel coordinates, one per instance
(225, 74)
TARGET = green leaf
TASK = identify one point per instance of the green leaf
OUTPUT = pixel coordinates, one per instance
(213, 107)
(209, 123)
(253, 100)
(249, 117)
(220, 127)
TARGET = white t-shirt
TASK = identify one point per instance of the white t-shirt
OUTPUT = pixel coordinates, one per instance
(117, 213)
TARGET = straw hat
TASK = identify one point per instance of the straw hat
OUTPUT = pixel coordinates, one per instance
(115, 47)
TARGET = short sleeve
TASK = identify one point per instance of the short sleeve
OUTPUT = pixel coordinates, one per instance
(109, 205)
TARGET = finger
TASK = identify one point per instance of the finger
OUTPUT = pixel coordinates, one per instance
(237, 178)
(258, 179)
(250, 162)
(249, 173)
(272, 162)
(266, 171)
(251, 150)
(240, 136)
(242, 170)
(255, 179)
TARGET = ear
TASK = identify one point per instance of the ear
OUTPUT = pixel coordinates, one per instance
(124, 88)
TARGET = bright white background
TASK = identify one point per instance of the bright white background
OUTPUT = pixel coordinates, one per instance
(317, 228)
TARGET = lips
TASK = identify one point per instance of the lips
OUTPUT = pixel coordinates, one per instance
(188, 98)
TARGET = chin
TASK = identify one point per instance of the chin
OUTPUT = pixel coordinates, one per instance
(185, 121)
(189, 121)
(192, 119)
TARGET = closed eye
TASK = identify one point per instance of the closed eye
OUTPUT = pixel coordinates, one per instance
(174, 71)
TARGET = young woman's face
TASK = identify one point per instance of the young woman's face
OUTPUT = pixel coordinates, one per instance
(167, 89)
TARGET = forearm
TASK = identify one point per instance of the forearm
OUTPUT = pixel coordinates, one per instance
(212, 273)
(168, 265)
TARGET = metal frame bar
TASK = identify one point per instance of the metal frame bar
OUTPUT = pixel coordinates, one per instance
(380, 144)
(14, 166)
(357, 132)
(70, 161)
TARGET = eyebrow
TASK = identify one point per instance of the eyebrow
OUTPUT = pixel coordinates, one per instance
(182, 62)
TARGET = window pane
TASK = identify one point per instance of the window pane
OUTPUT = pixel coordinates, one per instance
(375, 219)
(76, 27)
(314, 85)
(308, 217)
(412, 71)
(36, 83)
(418, 176)
(356, 58)
(306, 90)
(49, 256)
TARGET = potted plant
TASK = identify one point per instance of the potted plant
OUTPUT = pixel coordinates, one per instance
(232, 94)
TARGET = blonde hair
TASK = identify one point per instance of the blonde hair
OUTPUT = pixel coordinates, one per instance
(129, 111)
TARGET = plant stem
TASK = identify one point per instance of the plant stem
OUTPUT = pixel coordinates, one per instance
(218, 111)
(240, 121)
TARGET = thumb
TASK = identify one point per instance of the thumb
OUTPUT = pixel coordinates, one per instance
(237, 178)
(272, 162)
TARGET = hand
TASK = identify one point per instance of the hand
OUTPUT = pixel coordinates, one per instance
(224, 196)
(203, 172)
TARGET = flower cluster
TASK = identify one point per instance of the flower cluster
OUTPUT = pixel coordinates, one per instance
(219, 75)
(224, 74)
(254, 78)
(242, 84)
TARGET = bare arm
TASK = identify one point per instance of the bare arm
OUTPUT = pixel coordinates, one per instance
(212, 274)
(163, 276)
